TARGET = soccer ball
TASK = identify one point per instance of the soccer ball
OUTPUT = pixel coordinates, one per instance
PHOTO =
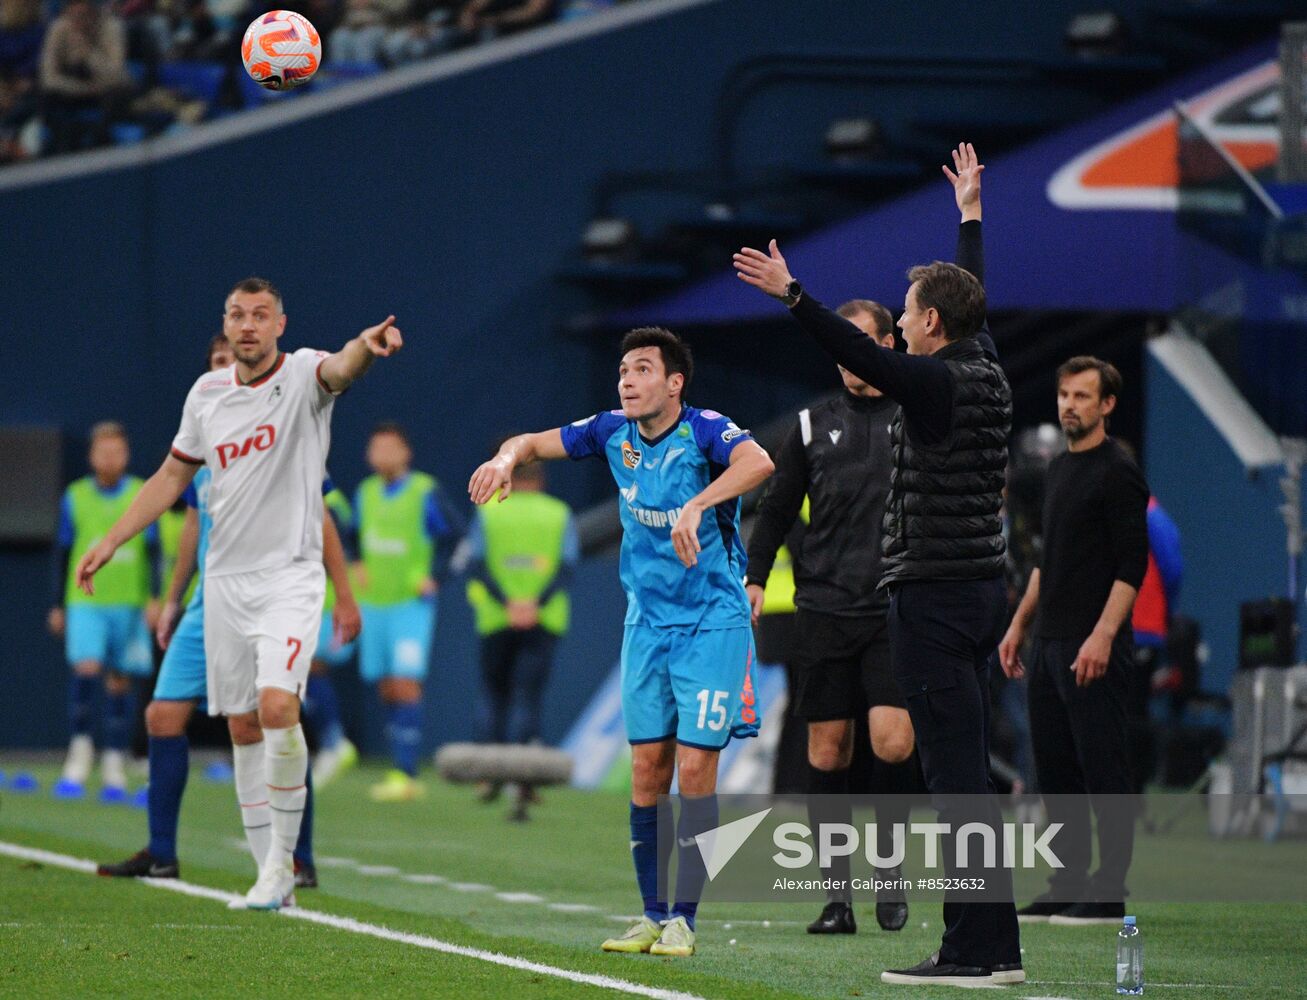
(281, 49)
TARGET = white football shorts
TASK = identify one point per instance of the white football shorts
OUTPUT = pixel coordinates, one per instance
(260, 630)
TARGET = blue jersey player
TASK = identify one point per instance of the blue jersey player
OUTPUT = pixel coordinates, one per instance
(180, 686)
(688, 647)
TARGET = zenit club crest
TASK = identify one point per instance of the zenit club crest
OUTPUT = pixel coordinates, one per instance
(630, 455)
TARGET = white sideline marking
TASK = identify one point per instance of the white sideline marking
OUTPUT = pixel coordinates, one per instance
(370, 930)
(102, 923)
(326, 861)
(520, 898)
(61, 860)
(1150, 985)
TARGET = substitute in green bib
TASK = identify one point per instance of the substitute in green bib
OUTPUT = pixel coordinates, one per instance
(519, 558)
(107, 636)
(170, 527)
(336, 752)
(405, 533)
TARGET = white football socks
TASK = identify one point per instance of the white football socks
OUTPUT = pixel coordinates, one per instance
(113, 769)
(252, 794)
(287, 768)
(81, 756)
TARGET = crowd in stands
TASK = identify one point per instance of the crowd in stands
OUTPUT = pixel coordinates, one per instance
(80, 74)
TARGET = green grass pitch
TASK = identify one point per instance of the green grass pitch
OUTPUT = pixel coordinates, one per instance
(547, 891)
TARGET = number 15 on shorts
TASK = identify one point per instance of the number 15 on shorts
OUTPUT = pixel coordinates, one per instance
(712, 709)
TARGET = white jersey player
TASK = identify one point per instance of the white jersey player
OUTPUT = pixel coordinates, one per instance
(263, 427)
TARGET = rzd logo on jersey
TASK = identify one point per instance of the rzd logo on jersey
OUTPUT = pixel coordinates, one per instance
(263, 438)
(630, 456)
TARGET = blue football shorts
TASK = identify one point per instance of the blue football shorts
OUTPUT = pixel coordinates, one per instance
(181, 677)
(115, 637)
(396, 640)
(695, 686)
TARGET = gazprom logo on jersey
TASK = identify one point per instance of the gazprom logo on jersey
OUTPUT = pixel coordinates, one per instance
(263, 438)
(649, 518)
(657, 518)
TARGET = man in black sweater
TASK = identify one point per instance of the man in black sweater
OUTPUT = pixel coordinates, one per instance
(838, 455)
(1094, 560)
(943, 549)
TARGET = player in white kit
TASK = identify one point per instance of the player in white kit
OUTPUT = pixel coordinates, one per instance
(264, 429)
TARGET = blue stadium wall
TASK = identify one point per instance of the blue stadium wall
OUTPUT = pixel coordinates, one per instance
(1231, 532)
(451, 204)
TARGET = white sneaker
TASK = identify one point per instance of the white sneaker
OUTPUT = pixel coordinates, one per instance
(113, 769)
(274, 889)
(80, 759)
(239, 903)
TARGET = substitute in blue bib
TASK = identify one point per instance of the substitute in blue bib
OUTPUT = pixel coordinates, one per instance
(687, 651)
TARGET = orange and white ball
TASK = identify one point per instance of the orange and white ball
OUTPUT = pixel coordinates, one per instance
(281, 49)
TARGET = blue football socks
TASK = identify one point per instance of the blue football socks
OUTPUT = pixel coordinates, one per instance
(645, 854)
(169, 765)
(698, 815)
(404, 730)
(118, 719)
(322, 707)
(81, 698)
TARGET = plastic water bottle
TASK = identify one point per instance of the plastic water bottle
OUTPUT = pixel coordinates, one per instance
(1129, 959)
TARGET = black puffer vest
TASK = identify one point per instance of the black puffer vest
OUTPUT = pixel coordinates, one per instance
(942, 520)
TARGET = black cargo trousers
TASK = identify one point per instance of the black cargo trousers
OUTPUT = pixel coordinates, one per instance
(943, 636)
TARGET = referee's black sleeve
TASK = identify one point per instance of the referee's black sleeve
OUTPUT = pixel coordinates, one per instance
(778, 508)
(1126, 496)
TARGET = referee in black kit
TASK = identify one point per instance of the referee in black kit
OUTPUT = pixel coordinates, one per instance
(1094, 560)
(943, 548)
(838, 456)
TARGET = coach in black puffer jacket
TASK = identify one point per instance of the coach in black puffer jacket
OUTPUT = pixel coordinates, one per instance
(943, 551)
(942, 521)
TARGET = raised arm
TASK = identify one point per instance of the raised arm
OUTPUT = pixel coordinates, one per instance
(159, 493)
(921, 385)
(971, 248)
(965, 179)
(340, 370)
(497, 474)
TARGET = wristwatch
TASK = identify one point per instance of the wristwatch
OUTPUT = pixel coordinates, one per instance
(793, 292)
